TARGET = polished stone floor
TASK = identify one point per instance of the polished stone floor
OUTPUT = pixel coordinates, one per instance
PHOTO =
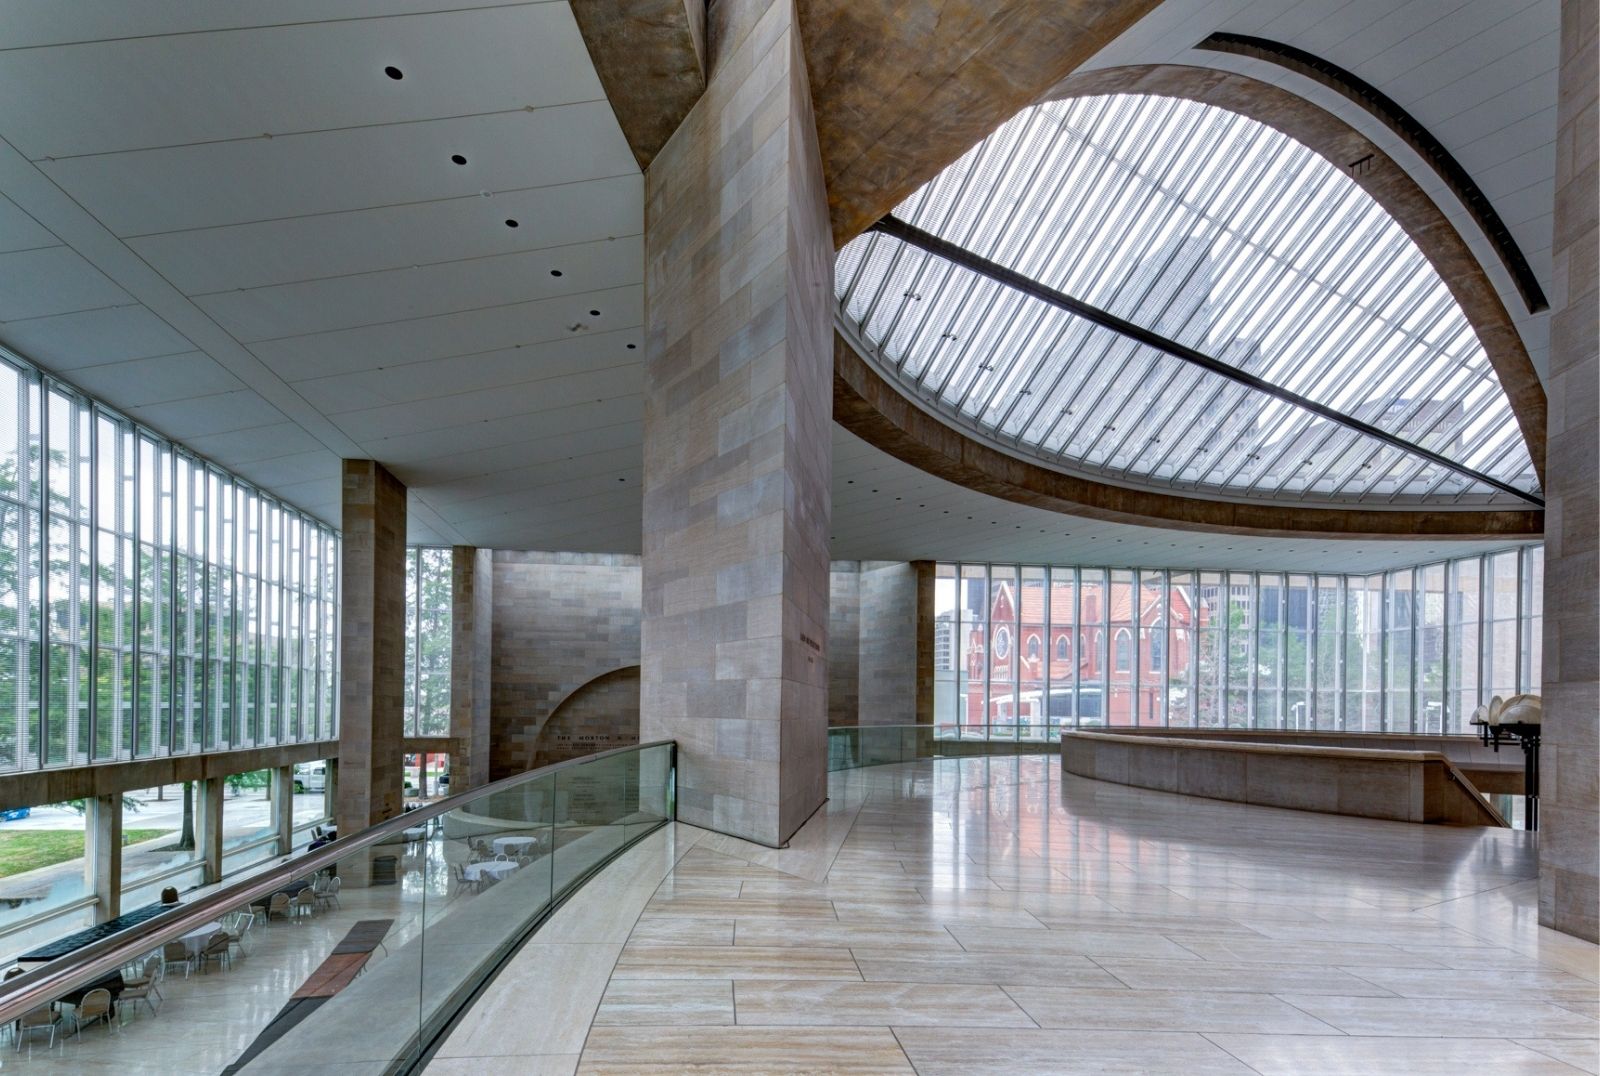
(988, 915)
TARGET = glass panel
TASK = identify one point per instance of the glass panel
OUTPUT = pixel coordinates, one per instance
(1532, 618)
(1091, 646)
(1240, 653)
(1063, 644)
(1363, 664)
(1032, 641)
(1180, 664)
(974, 599)
(1501, 643)
(1428, 710)
(1330, 654)
(1211, 670)
(1122, 627)
(1299, 613)
(1400, 618)
(1269, 651)
(1151, 666)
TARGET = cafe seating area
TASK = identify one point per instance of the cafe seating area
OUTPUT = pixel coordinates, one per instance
(250, 961)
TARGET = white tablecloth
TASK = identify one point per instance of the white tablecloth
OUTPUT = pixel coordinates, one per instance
(496, 867)
(196, 939)
(509, 845)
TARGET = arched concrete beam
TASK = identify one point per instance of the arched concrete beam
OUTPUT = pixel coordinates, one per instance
(869, 407)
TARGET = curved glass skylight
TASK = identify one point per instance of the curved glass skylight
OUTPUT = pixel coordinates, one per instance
(1218, 232)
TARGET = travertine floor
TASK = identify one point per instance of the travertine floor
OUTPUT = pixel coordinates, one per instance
(978, 915)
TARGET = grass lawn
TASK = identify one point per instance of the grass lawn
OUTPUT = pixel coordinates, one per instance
(29, 849)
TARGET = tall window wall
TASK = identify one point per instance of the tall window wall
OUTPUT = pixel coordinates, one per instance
(1411, 650)
(150, 602)
(428, 593)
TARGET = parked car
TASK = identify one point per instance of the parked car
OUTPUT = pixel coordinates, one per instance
(15, 814)
(311, 777)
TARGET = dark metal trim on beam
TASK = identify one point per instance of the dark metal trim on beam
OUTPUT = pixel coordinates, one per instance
(1415, 135)
(941, 248)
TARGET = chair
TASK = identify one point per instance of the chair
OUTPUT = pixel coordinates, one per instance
(143, 989)
(237, 927)
(96, 1005)
(482, 848)
(216, 948)
(331, 894)
(175, 952)
(278, 906)
(37, 1020)
(305, 903)
(460, 872)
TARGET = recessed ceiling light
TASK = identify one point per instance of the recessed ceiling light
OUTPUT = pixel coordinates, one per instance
(555, 272)
(458, 158)
(512, 224)
(394, 73)
(594, 313)
(632, 346)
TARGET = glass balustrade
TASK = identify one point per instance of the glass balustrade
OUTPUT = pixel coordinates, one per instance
(853, 746)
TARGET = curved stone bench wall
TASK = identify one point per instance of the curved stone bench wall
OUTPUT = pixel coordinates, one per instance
(1366, 782)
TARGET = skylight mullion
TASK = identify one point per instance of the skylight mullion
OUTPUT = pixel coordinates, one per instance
(1024, 384)
(1307, 237)
(1010, 349)
(1376, 363)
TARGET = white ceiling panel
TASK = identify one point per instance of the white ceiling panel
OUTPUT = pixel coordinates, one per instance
(283, 79)
(468, 373)
(394, 237)
(580, 471)
(18, 231)
(279, 471)
(214, 184)
(36, 23)
(238, 449)
(164, 379)
(376, 346)
(330, 304)
(442, 473)
(418, 449)
(70, 342)
(222, 413)
(460, 409)
(52, 280)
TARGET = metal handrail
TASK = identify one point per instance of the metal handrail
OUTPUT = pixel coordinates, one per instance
(43, 985)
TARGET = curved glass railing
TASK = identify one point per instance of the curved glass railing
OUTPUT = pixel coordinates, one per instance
(853, 746)
(356, 956)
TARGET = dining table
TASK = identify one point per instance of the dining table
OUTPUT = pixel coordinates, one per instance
(512, 845)
(196, 939)
(491, 868)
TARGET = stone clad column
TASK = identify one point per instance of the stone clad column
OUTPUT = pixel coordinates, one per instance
(372, 649)
(471, 628)
(102, 854)
(1569, 809)
(737, 454)
(925, 570)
